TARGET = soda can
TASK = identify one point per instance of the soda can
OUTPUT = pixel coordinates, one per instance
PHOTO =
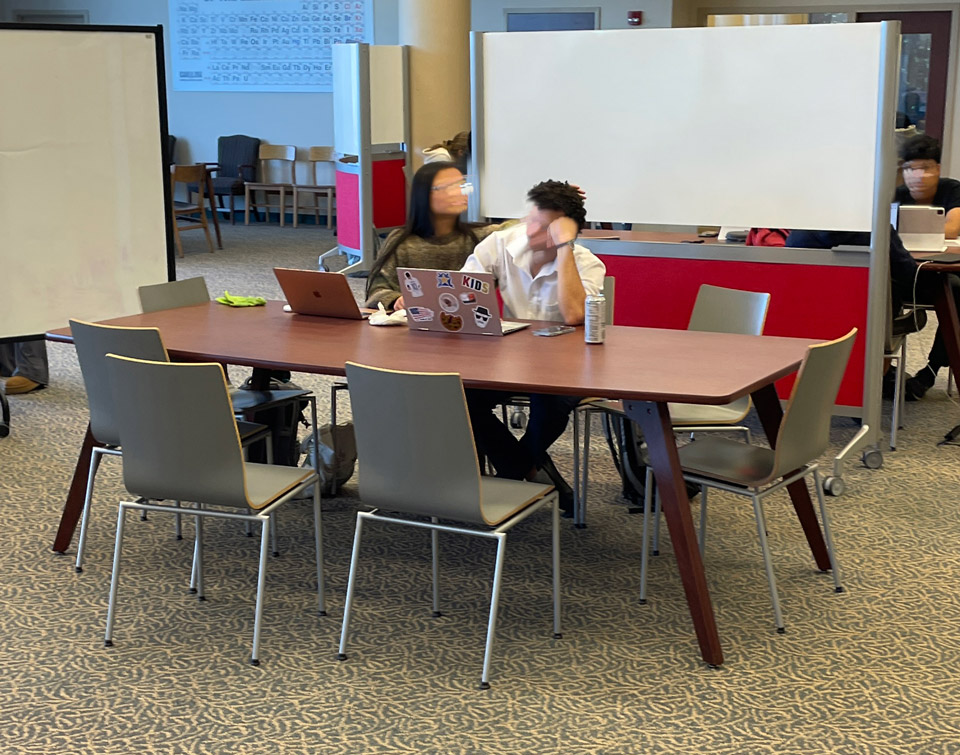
(595, 311)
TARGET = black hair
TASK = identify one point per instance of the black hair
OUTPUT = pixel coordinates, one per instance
(920, 147)
(419, 220)
(559, 196)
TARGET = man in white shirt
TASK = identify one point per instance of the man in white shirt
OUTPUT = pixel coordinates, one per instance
(542, 274)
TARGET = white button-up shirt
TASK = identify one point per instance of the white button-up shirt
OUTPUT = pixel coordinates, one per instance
(506, 254)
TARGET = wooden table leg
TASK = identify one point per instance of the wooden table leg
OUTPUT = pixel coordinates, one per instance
(73, 507)
(654, 420)
(771, 414)
(213, 210)
(946, 309)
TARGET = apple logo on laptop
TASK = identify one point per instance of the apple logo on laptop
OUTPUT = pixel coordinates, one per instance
(318, 294)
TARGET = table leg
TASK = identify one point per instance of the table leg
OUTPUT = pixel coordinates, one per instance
(771, 414)
(946, 309)
(213, 211)
(654, 420)
(73, 507)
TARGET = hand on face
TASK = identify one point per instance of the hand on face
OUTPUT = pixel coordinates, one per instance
(562, 230)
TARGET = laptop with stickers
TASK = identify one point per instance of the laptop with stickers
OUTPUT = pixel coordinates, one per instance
(449, 301)
(312, 292)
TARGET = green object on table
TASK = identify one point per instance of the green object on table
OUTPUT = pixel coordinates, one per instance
(241, 301)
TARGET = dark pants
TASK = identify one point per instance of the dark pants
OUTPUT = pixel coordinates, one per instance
(928, 286)
(25, 359)
(514, 457)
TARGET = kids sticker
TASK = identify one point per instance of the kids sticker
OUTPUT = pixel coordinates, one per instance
(452, 323)
(468, 281)
(481, 316)
(420, 314)
(448, 302)
(444, 279)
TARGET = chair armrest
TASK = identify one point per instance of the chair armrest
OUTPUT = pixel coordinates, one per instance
(253, 172)
(211, 167)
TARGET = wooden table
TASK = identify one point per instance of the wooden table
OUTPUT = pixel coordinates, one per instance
(645, 367)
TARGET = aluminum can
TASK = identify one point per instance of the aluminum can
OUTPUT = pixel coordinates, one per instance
(595, 317)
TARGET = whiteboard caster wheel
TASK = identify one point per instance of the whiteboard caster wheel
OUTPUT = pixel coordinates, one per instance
(518, 420)
(834, 486)
(872, 459)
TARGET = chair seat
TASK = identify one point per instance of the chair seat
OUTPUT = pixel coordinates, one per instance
(222, 185)
(248, 430)
(316, 187)
(728, 460)
(268, 185)
(501, 498)
(692, 414)
(268, 482)
(243, 400)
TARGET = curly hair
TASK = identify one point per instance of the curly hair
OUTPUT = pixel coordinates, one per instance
(920, 147)
(559, 196)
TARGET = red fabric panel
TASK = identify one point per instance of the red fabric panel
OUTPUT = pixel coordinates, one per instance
(806, 301)
(389, 193)
(348, 209)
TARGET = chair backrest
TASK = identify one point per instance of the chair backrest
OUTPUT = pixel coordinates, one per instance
(433, 470)
(189, 174)
(93, 343)
(171, 148)
(609, 290)
(317, 155)
(805, 429)
(233, 152)
(177, 431)
(173, 294)
(284, 154)
(729, 310)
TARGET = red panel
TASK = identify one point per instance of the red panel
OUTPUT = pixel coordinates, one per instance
(389, 193)
(348, 209)
(806, 301)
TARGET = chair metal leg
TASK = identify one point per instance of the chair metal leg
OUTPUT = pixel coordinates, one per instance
(555, 516)
(645, 544)
(586, 468)
(318, 535)
(261, 580)
(273, 535)
(577, 492)
(178, 523)
(351, 581)
(656, 519)
(114, 578)
(827, 534)
(702, 535)
(198, 555)
(767, 563)
(898, 395)
(95, 457)
(435, 557)
(494, 605)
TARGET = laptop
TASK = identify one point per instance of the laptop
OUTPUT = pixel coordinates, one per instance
(449, 301)
(312, 292)
(921, 228)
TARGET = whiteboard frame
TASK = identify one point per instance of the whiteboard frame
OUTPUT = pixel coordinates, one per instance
(157, 32)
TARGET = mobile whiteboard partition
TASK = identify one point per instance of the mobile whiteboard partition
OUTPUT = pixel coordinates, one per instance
(83, 187)
(774, 126)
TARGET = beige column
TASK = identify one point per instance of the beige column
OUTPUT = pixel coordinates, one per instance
(438, 34)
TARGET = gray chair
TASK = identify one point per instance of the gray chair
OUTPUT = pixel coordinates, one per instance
(236, 164)
(716, 310)
(756, 472)
(910, 320)
(173, 294)
(93, 342)
(434, 476)
(180, 442)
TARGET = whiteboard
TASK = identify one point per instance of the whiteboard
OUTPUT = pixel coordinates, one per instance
(772, 126)
(81, 176)
(261, 45)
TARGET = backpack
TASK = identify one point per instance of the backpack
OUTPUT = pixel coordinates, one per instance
(629, 456)
(284, 422)
(335, 459)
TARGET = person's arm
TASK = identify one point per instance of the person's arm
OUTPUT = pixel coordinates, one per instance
(383, 286)
(951, 203)
(570, 291)
(951, 226)
(484, 257)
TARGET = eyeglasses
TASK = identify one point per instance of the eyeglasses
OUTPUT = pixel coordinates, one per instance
(927, 170)
(464, 187)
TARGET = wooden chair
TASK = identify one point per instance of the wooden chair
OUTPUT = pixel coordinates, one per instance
(316, 156)
(286, 156)
(195, 215)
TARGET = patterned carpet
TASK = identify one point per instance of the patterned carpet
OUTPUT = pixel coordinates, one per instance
(872, 670)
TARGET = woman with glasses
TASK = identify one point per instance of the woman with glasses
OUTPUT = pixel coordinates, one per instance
(434, 237)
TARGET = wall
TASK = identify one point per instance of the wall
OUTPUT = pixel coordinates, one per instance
(198, 118)
(488, 15)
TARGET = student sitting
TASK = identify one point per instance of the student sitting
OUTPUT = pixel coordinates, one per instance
(542, 274)
(434, 238)
(923, 185)
(906, 278)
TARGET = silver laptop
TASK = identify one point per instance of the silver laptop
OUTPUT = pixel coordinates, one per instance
(311, 292)
(449, 301)
(921, 228)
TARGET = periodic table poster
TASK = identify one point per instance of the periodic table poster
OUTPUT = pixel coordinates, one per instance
(262, 45)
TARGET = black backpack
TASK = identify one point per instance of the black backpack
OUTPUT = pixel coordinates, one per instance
(284, 420)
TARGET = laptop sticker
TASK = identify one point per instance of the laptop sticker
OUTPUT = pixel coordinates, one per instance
(412, 285)
(468, 298)
(468, 281)
(481, 316)
(452, 323)
(448, 302)
(444, 279)
(420, 314)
